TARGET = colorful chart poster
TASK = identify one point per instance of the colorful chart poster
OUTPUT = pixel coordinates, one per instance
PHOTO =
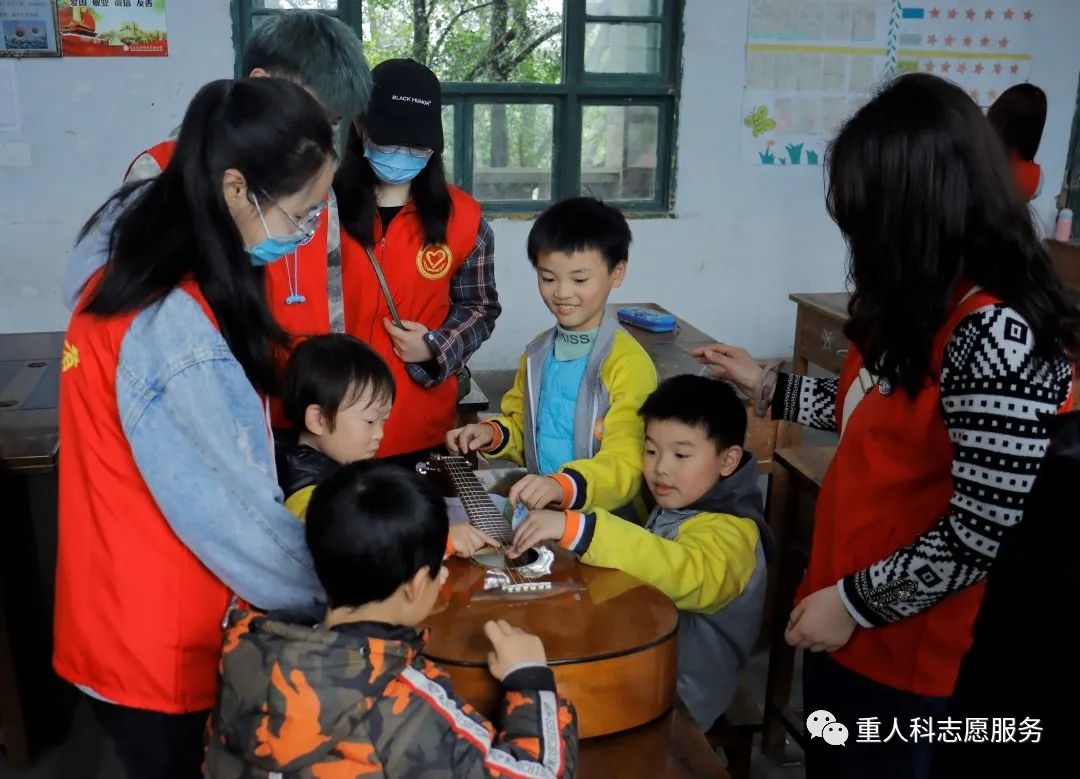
(811, 63)
(28, 29)
(113, 28)
(984, 47)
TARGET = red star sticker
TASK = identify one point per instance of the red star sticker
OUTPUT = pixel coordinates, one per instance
(989, 14)
(970, 14)
(1009, 14)
(1003, 43)
(961, 68)
(967, 40)
(935, 13)
(1028, 16)
(984, 41)
(952, 13)
(931, 39)
(929, 66)
(949, 40)
(1014, 69)
(945, 67)
(975, 95)
(978, 68)
(992, 94)
(997, 68)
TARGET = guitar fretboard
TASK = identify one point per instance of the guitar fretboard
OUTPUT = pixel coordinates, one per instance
(478, 504)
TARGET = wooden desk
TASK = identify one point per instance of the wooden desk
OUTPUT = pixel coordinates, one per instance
(34, 703)
(805, 468)
(672, 355)
(29, 398)
(470, 406)
(1066, 260)
(671, 747)
(819, 330)
(670, 352)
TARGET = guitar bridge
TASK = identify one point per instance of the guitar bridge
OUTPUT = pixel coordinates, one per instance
(498, 580)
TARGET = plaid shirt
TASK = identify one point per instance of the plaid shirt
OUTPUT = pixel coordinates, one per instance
(474, 307)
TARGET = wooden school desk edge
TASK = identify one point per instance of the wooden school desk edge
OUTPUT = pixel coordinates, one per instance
(804, 468)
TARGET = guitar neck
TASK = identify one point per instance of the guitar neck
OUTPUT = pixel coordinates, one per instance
(478, 504)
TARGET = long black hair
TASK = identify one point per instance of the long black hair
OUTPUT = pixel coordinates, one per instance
(920, 186)
(178, 226)
(1019, 117)
(355, 183)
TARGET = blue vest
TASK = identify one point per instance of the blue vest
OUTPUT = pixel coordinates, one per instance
(559, 390)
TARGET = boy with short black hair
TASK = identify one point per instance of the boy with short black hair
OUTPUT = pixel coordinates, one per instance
(337, 393)
(354, 694)
(571, 416)
(704, 544)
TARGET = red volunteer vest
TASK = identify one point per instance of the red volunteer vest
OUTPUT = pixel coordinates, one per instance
(1026, 174)
(138, 616)
(305, 271)
(890, 480)
(419, 280)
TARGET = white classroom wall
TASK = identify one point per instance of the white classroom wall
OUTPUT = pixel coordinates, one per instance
(743, 236)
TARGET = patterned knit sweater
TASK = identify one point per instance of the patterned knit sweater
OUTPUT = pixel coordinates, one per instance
(998, 447)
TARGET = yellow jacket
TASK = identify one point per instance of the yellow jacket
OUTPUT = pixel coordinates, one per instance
(609, 436)
(709, 558)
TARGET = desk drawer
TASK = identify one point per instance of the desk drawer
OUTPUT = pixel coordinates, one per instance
(820, 339)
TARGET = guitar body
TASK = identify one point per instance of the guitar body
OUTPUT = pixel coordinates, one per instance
(609, 638)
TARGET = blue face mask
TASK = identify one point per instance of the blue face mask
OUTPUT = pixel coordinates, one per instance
(396, 166)
(274, 247)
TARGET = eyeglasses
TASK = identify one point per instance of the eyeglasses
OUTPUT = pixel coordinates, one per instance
(309, 224)
(419, 152)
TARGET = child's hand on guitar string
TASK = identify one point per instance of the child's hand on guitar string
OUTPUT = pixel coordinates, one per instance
(471, 438)
(467, 540)
(511, 648)
(538, 527)
(536, 492)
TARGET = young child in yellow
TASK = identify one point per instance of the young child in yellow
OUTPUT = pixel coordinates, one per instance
(571, 416)
(704, 544)
(338, 393)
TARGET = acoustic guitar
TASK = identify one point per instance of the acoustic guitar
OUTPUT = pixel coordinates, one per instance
(609, 638)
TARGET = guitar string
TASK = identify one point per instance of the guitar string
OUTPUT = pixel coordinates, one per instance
(483, 512)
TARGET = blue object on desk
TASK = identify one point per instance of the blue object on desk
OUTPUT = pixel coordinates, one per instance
(647, 319)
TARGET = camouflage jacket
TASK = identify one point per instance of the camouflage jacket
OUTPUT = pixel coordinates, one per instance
(300, 702)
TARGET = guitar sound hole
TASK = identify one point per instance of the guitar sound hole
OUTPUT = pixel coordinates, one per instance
(528, 558)
(498, 561)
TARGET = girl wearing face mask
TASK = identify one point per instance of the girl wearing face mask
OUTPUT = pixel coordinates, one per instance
(412, 240)
(169, 507)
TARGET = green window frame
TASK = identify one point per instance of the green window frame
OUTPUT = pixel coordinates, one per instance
(577, 91)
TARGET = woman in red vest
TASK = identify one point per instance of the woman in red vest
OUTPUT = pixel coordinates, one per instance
(961, 346)
(169, 508)
(1019, 117)
(417, 257)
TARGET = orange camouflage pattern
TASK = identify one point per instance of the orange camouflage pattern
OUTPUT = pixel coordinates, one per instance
(300, 702)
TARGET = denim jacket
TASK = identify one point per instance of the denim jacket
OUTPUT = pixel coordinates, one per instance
(199, 434)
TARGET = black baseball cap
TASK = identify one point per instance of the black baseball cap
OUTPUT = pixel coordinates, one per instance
(406, 106)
